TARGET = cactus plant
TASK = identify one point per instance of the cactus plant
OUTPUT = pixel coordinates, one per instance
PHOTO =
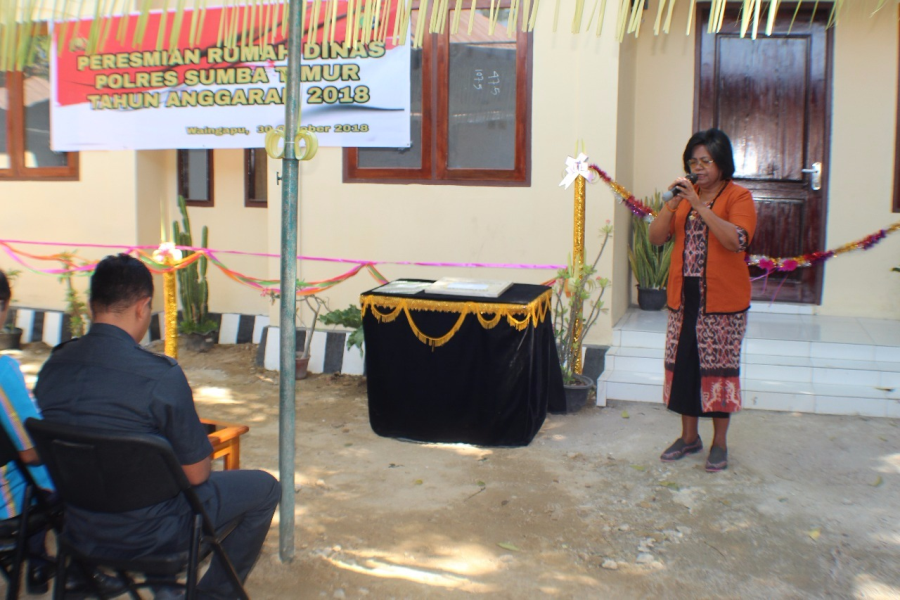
(193, 287)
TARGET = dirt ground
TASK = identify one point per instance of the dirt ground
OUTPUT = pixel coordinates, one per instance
(808, 508)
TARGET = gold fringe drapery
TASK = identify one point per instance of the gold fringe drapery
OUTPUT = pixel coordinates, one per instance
(387, 308)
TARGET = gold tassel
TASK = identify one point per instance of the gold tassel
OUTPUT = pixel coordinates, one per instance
(690, 20)
(401, 22)
(420, 24)
(773, 10)
(266, 32)
(163, 17)
(253, 29)
(669, 16)
(634, 21)
(385, 20)
(622, 20)
(176, 26)
(313, 28)
(659, 13)
(534, 11)
(107, 24)
(221, 35)
(358, 15)
(576, 18)
(457, 14)
(246, 13)
(756, 18)
(195, 20)
(513, 19)
(593, 13)
(600, 18)
(367, 23)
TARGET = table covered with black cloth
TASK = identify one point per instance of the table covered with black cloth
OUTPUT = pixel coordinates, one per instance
(461, 369)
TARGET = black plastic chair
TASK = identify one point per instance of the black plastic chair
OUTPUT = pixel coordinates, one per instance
(109, 472)
(15, 531)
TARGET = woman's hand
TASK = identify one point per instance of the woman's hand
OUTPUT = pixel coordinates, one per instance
(687, 193)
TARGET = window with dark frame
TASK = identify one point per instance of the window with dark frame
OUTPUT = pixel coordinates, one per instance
(256, 187)
(470, 110)
(195, 177)
(25, 152)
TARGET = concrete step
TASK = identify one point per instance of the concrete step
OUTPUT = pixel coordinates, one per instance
(819, 398)
(801, 369)
(790, 361)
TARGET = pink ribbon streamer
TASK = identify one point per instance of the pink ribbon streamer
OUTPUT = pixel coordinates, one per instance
(210, 251)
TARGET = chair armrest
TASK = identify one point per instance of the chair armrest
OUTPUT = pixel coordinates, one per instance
(224, 432)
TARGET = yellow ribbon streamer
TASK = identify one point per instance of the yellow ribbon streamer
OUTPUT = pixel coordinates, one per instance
(519, 316)
(275, 137)
(170, 288)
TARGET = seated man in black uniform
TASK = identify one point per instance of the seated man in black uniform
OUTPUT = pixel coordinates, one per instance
(106, 380)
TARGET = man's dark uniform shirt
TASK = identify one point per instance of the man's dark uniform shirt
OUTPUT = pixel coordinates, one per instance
(105, 380)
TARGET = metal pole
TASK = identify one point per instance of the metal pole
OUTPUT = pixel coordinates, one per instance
(288, 327)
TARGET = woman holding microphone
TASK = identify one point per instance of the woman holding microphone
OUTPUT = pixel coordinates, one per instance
(712, 223)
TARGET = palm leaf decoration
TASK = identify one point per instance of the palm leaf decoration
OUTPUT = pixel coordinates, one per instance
(21, 20)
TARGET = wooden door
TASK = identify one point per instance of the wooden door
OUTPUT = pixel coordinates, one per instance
(772, 97)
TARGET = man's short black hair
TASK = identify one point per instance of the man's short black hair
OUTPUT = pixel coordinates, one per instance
(719, 147)
(5, 292)
(118, 282)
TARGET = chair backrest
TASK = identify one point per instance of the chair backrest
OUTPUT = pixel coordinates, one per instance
(10, 454)
(102, 471)
(8, 450)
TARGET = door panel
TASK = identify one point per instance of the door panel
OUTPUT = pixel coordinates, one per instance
(767, 145)
(771, 96)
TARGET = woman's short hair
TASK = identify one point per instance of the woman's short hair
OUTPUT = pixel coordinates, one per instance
(5, 292)
(719, 147)
(118, 282)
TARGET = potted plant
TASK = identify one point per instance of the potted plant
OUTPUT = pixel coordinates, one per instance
(77, 315)
(10, 335)
(315, 305)
(649, 263)
(351, 318)
(197, 328)
(577, 287)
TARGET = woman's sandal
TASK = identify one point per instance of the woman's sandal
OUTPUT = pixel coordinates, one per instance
(680, 449)
(718, 459)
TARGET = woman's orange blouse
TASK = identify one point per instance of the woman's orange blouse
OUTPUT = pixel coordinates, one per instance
(726, 278)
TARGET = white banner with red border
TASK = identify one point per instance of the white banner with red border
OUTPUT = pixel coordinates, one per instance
(200, 95)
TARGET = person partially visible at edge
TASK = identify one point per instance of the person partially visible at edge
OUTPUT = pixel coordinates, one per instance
(16, 405)
(106, 380)
(708, 294)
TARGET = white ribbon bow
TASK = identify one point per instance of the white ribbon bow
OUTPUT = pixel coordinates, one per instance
(575, 167)
(166, 249)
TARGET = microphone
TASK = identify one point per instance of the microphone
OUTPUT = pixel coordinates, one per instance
(675, 190)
